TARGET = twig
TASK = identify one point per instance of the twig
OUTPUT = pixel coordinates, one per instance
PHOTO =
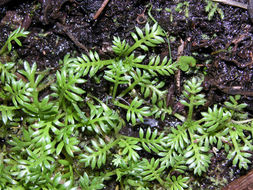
(100, 9)
(234, 90)
(233, 3)
(241, 122)
(180, 51)
(70, 35)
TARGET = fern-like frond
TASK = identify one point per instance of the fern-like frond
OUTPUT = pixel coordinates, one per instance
(20, 143)
(235, 108)
(241, 157)
(5, 172)
(176, 183)
(19, 92)
(58, 181)
(88, 64)
(153, 89)
(91, 183)
(197, 157)
(116, 74)
(36, 108)
(160, 110)
(65, 87)
(152, 141)
(7, 113)
(212, 8)
(40, 136)
(139, 77)
(137, 184)
(65, 139)
(67, 170)
(101, 119)
(41, 109)
(192, 88)
(216, 119)
(97, 155)
(129, 147)
(31, 170)
(214, 139)
(178, 138)
(151, 37)
(6, 74)
(168, 157)
(19, 32)
(120, 47)
(179, 164)
(135, 110)
(30, 74)
(239, 153)
(156, 65)
(152, 170)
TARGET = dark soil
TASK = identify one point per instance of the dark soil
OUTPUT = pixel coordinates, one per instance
(58, 27)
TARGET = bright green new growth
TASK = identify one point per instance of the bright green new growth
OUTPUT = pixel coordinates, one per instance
(19, 32)
(69, 139)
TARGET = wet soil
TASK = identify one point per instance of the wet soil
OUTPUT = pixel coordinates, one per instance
(223, 48)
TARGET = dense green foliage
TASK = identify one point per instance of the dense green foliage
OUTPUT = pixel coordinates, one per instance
(61, 136)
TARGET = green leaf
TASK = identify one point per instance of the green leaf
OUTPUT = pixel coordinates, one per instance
(150, 171)
(152, 37)
(179, 182)
(66, 86)
(185, 62)
(59, 147)
(215, 119)
(97, 156)
(14, 36)
(6, 74)
(152, 141)
(197, 158)
(135, 109)
(129, 147)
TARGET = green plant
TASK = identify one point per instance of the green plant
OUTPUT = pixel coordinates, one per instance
(68, 138)
(19, 32)
(216, 128)
(212, 8)
(185, 62)
(180, 6)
